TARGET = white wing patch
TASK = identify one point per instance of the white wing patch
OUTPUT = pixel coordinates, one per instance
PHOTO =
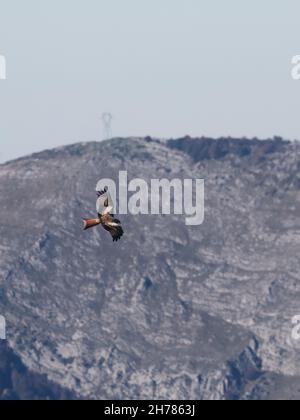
(114, 224)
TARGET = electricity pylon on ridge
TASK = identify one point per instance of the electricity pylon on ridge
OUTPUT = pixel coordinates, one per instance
(107, 121)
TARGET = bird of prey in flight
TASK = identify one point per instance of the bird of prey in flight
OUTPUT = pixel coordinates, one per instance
(106, 218)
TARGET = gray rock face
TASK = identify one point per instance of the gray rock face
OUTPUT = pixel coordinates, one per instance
(18, 383)
(170, 311)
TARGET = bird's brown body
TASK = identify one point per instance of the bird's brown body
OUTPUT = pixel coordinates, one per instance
(104, 220)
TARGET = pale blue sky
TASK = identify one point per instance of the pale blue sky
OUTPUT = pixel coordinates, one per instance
(164, 68)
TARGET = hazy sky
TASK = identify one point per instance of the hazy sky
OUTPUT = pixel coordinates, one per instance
(164, 68)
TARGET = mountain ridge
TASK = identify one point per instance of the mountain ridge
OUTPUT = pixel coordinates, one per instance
(276, 144)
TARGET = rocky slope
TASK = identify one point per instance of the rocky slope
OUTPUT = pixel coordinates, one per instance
(170, 311)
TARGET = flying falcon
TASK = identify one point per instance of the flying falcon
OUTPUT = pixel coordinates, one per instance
(106, 218)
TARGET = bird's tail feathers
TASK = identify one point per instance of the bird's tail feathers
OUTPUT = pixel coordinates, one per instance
(89, 223)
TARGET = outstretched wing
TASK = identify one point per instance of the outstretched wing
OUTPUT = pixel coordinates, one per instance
(104, 203)
(113, 226)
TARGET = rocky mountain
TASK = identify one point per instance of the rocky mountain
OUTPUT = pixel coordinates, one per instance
(169, 312)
